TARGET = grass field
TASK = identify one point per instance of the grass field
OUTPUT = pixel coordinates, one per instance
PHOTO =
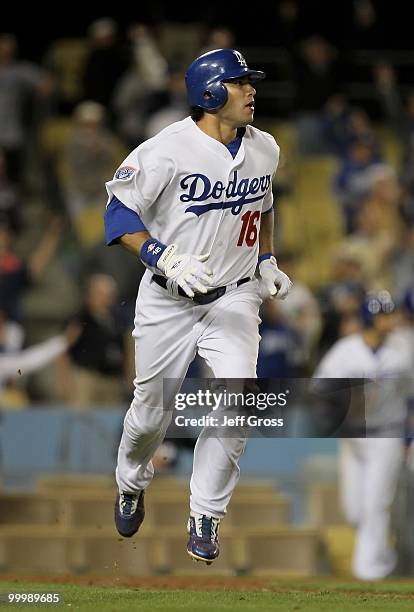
(239, 594)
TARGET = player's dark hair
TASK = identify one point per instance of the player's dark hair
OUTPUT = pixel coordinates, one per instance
(196, 113)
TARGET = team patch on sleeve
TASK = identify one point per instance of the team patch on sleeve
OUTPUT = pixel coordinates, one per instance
(125, 172)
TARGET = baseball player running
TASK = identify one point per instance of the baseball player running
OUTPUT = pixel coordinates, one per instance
(369, 467)
(195, 204)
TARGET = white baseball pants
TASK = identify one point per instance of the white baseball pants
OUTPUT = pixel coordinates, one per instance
(168, 333)
(369, 471)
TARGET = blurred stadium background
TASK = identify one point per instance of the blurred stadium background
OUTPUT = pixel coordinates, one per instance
(339, 99)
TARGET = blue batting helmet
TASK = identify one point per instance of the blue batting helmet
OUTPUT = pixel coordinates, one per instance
(205, 77)
(376, 303)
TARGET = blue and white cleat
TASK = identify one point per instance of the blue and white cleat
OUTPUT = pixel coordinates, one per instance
(129, 513)
(203, 544)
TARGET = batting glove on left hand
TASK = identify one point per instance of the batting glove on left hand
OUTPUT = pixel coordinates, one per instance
(188, 271)
(273, 282)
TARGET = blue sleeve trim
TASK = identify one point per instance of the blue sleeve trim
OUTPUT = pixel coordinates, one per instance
(151, 251)
(269, 210)
(264, 256)
(120, 220)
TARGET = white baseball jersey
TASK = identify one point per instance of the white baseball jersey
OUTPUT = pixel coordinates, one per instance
(390, 368)
(187, 189)
(403, 337)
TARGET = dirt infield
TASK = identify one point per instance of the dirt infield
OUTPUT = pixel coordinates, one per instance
(180, 583)
(271, 584)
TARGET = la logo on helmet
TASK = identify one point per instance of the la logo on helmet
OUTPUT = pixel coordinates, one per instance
(240, 59)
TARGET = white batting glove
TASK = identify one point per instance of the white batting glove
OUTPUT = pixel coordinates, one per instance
(188, 271)
(273, 282)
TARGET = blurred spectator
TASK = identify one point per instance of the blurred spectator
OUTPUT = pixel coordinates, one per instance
(19, 363)
(407, 181)
(373, 245)
(302, 314)
(345, 125)
(365, 31)
(288, 30)
(384, 197)
(105, 63)
(400, 113)
(219, 38)
(93, 373)
(11, 334)
(91, 154)
(146, 56)
(278, 345)
(335, 124)
(65, 59)
(351, 180)
(10, 203)
(146, 75)
(20, 84)
(401, 117)
(341, 298)
(403, 263)
(16, 274)
(173, 108)
(359, 127)
(317, 79)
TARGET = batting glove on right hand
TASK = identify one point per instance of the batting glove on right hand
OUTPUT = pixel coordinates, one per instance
(274, 282)
(188, 271)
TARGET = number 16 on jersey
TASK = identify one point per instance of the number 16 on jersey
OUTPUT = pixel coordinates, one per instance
(248, 232)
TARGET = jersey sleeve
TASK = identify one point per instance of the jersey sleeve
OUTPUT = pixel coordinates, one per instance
(140, 179)
(274, 151)
(120, 220)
